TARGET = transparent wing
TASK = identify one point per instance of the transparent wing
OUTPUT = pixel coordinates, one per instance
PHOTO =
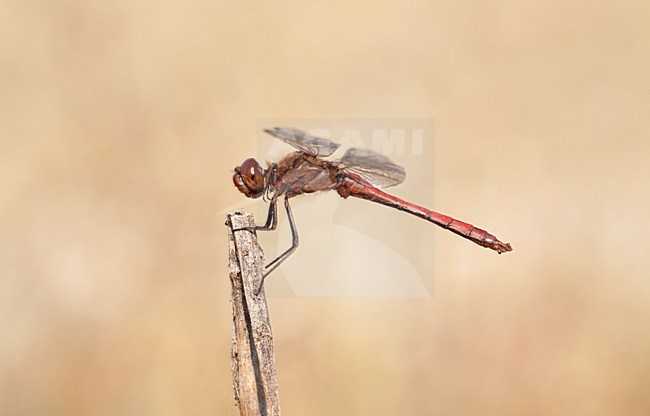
(304, 142)
(373, 167)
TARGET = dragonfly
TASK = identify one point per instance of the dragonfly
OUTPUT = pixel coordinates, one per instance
(360, 173)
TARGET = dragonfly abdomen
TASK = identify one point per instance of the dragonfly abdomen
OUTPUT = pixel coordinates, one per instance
(357, 187)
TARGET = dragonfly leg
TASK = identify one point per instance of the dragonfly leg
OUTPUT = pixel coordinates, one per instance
(294, 243)
(271, 219)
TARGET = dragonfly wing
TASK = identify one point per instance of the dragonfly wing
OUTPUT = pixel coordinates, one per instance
(373, 167)
(304, 142)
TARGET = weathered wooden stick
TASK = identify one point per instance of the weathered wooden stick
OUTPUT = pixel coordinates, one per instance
(253, 358)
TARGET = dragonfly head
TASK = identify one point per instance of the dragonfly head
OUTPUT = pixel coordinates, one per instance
(249, 178)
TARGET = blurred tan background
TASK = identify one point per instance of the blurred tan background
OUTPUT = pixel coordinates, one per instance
(120, 124)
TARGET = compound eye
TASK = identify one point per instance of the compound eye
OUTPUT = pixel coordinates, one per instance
(252, 175)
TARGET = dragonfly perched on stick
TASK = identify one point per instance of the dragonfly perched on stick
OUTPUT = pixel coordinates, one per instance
(360, 173)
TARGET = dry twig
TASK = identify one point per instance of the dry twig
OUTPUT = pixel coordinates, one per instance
(253, 359)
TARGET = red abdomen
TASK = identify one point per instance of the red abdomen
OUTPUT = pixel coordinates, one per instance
(352, 185)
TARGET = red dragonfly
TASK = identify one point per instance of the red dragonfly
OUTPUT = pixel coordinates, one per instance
(359, 173)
